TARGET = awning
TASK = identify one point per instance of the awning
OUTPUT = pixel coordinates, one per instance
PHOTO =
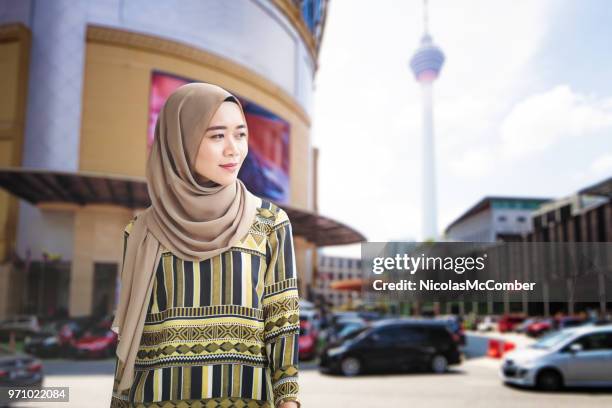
(43, 186)
(348, 284)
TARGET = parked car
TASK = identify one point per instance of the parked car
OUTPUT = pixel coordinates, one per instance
(454, 325)
(489, 323)
(96, 342)
(568, 321)
(20, 325)
(540, 327)
(343, 327)
(391, 345)
(74, 328)
(19, 370)
(509, 322)
(522, 327)
(306, 305)
(307, 341)
(364, 315)
(580, 356)
(47, 342)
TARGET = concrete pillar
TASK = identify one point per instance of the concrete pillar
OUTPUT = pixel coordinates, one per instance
(82, 271)
(55, 91)
(5, 273)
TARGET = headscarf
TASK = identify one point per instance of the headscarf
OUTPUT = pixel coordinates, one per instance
(191, 216)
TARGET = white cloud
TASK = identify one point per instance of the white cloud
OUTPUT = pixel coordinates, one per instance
(542, 120)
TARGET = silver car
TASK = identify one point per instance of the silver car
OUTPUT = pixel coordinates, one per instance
(580, 356)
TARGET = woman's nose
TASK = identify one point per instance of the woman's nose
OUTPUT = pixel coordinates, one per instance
(231, 148)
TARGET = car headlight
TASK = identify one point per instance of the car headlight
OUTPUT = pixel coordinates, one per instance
(334, 351)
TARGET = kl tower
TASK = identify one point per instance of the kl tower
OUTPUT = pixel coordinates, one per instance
(426, 64)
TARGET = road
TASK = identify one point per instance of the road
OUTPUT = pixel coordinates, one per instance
(475, 383)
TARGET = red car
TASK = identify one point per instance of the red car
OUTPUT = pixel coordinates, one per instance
(307, 341)
(508, 322)
(539, 327)
(96, 342)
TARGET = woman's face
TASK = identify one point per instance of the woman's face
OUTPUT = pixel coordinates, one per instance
(224, 146)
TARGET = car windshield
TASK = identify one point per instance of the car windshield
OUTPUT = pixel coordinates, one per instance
(552, 340)
(357, 334)
(349, 329)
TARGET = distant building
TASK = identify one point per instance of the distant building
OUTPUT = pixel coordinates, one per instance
(336, 269)
(82, 84)
(585, 216)
(495, 219)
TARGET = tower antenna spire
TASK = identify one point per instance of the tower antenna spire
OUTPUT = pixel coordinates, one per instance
(425, 18)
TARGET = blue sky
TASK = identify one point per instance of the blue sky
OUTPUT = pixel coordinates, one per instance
(523, 107)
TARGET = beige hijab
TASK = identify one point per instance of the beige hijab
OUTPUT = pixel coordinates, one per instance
(189, 215)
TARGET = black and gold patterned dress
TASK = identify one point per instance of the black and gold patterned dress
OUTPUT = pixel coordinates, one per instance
(222, 332)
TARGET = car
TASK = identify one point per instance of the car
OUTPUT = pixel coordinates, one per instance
(342, 327)
(392, 345)
(71, 330)
(20, 325)
(309, 334)
(540, 327)
(522, 327)
(47, 342)
(568, 321)
(96, 342)
(19, 369)
(306, 305)
(508, 323)
(455, 326)
(307, 341)
(580, 356)
(489, 323)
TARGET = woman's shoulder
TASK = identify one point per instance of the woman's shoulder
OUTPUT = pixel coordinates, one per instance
(271, 213)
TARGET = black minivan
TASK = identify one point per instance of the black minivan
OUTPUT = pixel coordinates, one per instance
(393, 345)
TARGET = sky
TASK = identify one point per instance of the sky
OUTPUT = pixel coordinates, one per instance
(522, 107)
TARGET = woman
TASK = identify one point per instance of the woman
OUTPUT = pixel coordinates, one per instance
(208, 313)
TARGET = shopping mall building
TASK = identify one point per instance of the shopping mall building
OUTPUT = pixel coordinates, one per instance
(83, 81)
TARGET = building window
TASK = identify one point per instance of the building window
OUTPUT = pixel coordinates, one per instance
(521, 219)
(501, 218)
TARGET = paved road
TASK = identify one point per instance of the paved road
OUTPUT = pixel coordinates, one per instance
(473, 384)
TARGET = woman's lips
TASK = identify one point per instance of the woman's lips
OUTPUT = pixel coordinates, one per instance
(230, 167)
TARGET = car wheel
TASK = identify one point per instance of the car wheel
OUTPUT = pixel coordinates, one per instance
(439, 364)
(350, 366)
(549, 380)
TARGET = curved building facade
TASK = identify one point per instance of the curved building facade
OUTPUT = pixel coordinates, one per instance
(84, 82)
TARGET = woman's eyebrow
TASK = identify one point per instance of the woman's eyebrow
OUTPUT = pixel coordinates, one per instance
(225, 127)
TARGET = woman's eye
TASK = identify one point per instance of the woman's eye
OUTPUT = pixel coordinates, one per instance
(243, 134)
(217, 136)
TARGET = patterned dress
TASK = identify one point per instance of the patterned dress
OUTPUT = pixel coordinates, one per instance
(222, 332)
